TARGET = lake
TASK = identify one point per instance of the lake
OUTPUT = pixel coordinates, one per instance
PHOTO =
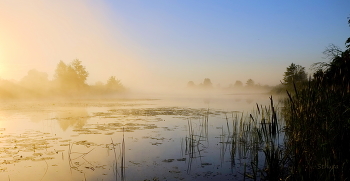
(146, 138)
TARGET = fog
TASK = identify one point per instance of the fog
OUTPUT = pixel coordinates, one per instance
(151, 48)
(70, 81)
(39, 34)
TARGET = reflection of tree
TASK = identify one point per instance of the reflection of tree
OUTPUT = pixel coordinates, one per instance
(35, 117)
(75, 117)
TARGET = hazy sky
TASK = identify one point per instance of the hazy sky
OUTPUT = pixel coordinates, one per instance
(152, 42)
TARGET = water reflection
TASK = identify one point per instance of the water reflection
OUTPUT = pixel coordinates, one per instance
(36, 118)
(169, 140)
(74, 117)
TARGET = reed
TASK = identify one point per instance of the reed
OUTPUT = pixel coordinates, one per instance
(318, 130)
(197, 139)
(115, 164)
(122, 168)
(260, 132)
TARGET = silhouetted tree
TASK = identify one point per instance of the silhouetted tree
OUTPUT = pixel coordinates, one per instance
(294, 73)
(336, 72)
(347, 42)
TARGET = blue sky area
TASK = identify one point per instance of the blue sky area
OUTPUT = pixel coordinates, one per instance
(168, 43)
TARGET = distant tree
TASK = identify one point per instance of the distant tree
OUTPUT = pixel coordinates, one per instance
(238, 84)
(250, 83)
(99, 84)
(80, 72)
(61, 71)
(191, 84)
(207, 83)
(70, 78)
(113, 84)
(35, 81)
(294, 73)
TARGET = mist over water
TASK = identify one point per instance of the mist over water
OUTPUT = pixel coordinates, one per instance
(168, 90)
(80, 135)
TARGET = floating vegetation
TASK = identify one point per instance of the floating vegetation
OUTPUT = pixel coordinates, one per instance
(163, 142)
(31, 145)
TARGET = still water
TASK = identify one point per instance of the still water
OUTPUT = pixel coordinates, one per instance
(152, 138)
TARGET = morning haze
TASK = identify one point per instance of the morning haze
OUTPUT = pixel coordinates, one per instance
(166, 44)
(174, 90)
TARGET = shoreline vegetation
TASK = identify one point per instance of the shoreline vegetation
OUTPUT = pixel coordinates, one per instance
(316, 115)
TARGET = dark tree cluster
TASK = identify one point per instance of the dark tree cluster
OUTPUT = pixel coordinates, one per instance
(318, 118)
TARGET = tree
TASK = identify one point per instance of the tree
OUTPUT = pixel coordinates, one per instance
(35, 81)
(238, 84)
(250, 83)
(61, 71)
(80, 72)
(294, 74)
(207, 83)
(70, 78)
(336, 72)
(347, 42)
(191, 84)
(113, 84)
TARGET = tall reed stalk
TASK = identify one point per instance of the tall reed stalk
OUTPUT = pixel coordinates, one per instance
(318, 131)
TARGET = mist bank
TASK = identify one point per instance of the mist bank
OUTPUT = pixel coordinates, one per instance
(70, 81)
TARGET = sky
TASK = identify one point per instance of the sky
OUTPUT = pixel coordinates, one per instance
(164, 44)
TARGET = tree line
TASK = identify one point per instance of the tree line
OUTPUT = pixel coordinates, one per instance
(250, 85)
(68, 80)
(317, 119)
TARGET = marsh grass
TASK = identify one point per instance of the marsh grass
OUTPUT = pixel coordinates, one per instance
(306, 140)
(122, 168)
(318, 131)
(257, 142)
(197, 139)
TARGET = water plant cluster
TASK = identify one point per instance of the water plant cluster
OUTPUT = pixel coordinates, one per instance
(318, 122)
(316, 115)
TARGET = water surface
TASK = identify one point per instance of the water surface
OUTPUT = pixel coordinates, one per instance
(158, 138)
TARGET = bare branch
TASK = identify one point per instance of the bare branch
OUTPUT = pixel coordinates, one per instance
(332, 51)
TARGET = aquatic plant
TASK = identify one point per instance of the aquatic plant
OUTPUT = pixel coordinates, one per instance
(318, 130)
